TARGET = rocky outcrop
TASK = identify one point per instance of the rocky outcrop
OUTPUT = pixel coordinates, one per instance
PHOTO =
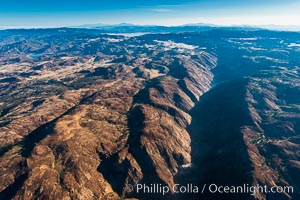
(83, 114)
(85, 126)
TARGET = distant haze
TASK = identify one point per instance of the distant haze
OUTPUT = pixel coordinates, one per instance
(57, 13)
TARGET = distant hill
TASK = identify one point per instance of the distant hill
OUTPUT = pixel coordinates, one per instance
(132, 28)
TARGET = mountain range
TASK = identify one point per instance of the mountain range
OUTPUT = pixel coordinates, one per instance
(87, 112)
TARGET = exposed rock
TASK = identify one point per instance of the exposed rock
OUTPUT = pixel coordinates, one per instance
(83, 114)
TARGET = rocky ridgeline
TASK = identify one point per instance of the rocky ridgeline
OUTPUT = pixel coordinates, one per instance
(83, 114)
(85, 126)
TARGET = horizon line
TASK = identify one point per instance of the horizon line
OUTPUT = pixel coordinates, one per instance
(264, 26)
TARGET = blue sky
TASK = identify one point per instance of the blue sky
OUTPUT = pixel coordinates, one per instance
(45, 13)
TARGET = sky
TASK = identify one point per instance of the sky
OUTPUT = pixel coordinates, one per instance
(58, 13)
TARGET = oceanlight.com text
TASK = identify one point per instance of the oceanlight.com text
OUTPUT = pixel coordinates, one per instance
(210, 188)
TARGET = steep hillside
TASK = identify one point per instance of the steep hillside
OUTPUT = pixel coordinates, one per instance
(80, 119)
(83, 115)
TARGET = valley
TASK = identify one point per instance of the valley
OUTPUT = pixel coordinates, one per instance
(84, 113)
